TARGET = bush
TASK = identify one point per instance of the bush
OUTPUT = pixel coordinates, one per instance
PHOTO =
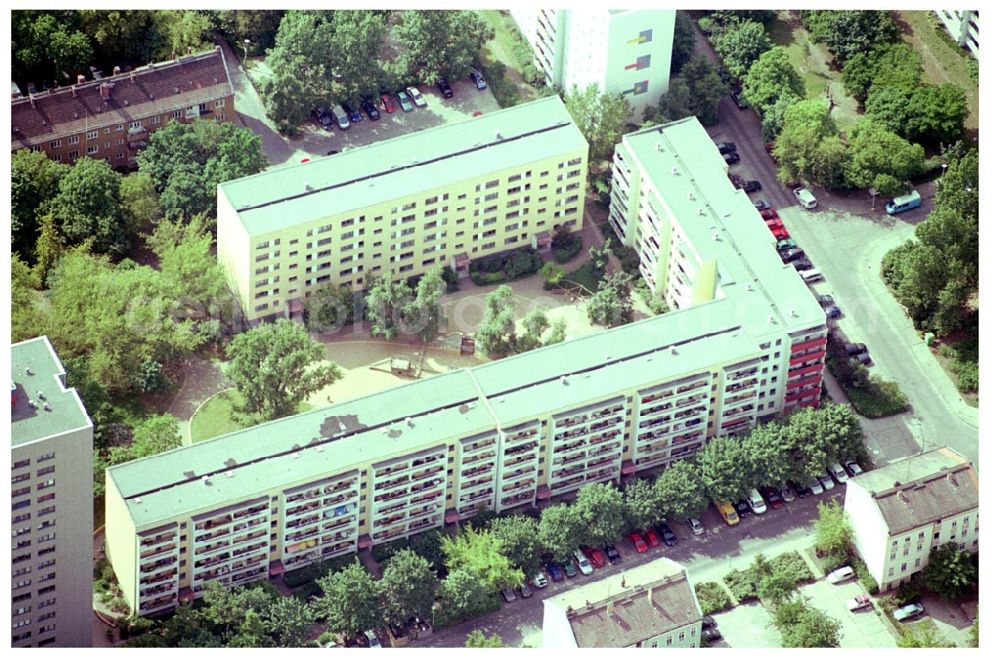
(504, 90)
(865, 578)
(968, 376)
(505, 266)
(383, 551)
(487, 278)
(306, 577)
(743, 584)
(629, 259)
(521, 263)
(450, 279)
(907, 593)
(563, 255)
(793, 563)
(712, 598)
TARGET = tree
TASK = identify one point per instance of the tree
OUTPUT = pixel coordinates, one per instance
(885, 65)
(740, 46)
(874, 152)
(24, 311)
(958, 188)
(936, 115)
(834, 534)
(156, 434)
(922, 636)
(601, 508)
(848, 32)
(777, 586)
(480, 552)
(535, 323)
(140, 204)
(601, 118)
(951, 573)
(275, 366)
(349, 600)
(552, 274)
(806, 124)
(122, 34)
(49, 249)
(407, 587)
(465, 594)
(682, 46)
(439, 44)
(258, 26)
(385, 304)
(773, 118)
(681, 491)
(34, 182)
(704, 90)
(520, 541)
(612, 304)
(424, 312)
(191, 273)
(917, 274)
(87, 207)
(496, 334)
(187, 161)
(725, 471)
(184, 30)
(561, 529)
(770, 77)
(642, 505)
(287, 94)
(801, 625)
(47, 45)
(477, 639)
(330, 307)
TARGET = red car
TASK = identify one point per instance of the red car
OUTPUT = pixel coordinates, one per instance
(596, 557)
(637, 541)
(768, 213)
(387, 104)
(775, 222)
(780, 233)
(652, 539)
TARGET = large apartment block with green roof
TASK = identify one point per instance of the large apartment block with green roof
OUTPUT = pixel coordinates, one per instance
(511, 433)
(437, 197)
(51, 503)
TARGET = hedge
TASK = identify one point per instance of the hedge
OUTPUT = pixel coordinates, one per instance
(793, 562)
(743, 584)
(712, 597)
(865, 577)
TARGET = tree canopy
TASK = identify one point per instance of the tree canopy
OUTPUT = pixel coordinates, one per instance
(439, 43)
(880, 159)
(807, 124)
(407, 587)
(349, 600)
(275, 366)
(770, 77)
(601, 508)
(611, 305)
(87, 207)
(481, 553)
(741, 44)
(951, 573)
(834, 534)
(681, 491)
(847, 32)
(601, 118)
(34, 182)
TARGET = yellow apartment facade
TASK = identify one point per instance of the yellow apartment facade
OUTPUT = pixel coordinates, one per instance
(438, 197)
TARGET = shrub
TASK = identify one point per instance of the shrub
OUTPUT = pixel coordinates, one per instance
(629, 259)
(712, 597)
(504, 90)
(487, 278)
(383, 551)
(742, 583)
(907, 593)
(793, 563)
(521, 263)
(565, 245)
(968, 376)
(450, 279)
(305, 578)
(865, 577)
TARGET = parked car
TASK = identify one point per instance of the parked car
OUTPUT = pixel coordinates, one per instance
(726, 147)
(569, 567)
(826, 481)
(802, 264)
(825, 299)
(837, 472)
(907, 612)
(811, 276)
(731, 158)
(695, 526)
(791, 254)
(540, 580)
(752, 186)
(769, 213)
(762, 204)
(667, 534)
(373, 641)
(352, 112)
(727, 511)
(738, 100)
(800, 489)
(772, 495)
(859, 602)
(478, 79)
(773, 222)
(596, 557)
(756, 501)
(805, 197)
(525, 590)
(443, 86)
(387, 104)
(555, 571)
(815, 487)
(832, 312)
(582, 562)
(856, 348)
(903, 203)
(323, 117)
(332, 152)
(779, 232)
(612, 553)
(743, 508)
(710, 634)
(370, 109)
(652, 539)
(787, 494)
(640, 544)
(417, 98)
(787, 244)
(852, 467)
(404, 101)
(840, 575)
(508, 594)
(708, 621)
(343, 120)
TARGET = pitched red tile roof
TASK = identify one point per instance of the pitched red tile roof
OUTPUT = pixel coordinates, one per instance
(155, 89)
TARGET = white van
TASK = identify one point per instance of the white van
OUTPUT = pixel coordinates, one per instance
(811, 275)
(756, 502)
(343, 120)
(903, 203)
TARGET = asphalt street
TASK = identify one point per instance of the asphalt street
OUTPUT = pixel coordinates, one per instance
(708, 557)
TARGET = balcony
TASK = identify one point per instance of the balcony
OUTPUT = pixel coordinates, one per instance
(169, 535)
(813, 367)
(807, 358)
(808, 344)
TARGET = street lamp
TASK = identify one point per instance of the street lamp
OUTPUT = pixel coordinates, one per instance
(246, 44)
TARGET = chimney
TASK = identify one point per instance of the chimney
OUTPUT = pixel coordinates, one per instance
(610, 607)
(116, 71)
(952, 479)
(105, 91)
(902, 497)
(41, 396)
(131, 76)
(80, 78)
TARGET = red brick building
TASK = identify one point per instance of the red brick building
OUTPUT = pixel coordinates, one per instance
(111, 118)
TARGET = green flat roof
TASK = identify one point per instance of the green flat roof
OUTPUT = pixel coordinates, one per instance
(421, 161)
(65, 412)
(721, 222)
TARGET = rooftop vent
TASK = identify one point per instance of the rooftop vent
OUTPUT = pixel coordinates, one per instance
(229, 473)
(138, 500)
(771, 319)
(690, 195)
(205, 479)
(31, 403)
(385, 430)
(308, 187)
(701, 211)
(80, 78)
(499, 136)
(409, 422)
(715, 234)
(27, 370)
(675, 171)
(319, 449)
(565, 380)
(296, 455)
(673, 350)
(659, 148)
(793, 313)
(749, 287)
(41, 396)
(46, 406)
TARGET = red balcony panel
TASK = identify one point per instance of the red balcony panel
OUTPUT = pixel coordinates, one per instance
(364, 541)
(451, 516)
(628, 468)
(807, 358)
(799, 397)
(543, 492)
(805, 381)
(796, 372)
(276, 568)
(808, 344)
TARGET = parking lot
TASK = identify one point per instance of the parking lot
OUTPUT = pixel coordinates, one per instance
(863, 628)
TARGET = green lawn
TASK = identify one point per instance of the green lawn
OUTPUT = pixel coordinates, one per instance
(216, 416)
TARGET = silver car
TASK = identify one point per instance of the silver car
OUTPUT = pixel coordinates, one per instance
(695, 526)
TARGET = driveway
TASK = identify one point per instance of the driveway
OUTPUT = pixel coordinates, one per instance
(861, 629)
(846, 238)
(709, 557)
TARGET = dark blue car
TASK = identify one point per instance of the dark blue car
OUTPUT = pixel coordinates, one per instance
(555, 571)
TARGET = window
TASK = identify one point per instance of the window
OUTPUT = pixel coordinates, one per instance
(119, 127)
(92, 134)
(74, 140)
(73, 154)
(55, 144)
(155, 120)
(91, 150)
(220, 103)
(176, 114)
